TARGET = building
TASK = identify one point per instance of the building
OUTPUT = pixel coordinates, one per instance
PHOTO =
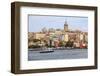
(39, 35)
(65, 26)
(66, 37)
(44, 30)
(58, 32)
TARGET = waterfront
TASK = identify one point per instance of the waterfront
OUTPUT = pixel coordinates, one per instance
(58, 54)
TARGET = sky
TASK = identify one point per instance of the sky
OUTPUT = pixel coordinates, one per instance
(37, 22)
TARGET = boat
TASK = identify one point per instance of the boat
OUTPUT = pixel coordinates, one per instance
(46, 51)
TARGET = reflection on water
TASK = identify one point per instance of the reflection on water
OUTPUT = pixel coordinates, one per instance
(58, 54)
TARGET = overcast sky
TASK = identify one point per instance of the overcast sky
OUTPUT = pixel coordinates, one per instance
(37, 22)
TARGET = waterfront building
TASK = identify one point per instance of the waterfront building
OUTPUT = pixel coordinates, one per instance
(66, 37)
(39, 36)
(81, 36)
(58, 32)
(86, 37)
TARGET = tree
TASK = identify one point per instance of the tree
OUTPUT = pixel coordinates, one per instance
(36, 40)
(69, 44)
(61, 44)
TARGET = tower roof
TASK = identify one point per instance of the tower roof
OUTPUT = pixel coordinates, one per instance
(66, 23)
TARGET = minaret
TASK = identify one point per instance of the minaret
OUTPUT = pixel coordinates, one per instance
(65, 26)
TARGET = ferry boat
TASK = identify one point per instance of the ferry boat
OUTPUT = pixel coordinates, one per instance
(46, 51)
(49, 50)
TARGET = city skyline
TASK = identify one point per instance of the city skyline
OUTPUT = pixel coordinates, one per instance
(56, 37)
(36, 23)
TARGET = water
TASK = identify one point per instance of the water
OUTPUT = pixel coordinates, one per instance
(58, 54)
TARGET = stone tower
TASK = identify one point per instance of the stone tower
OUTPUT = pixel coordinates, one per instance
(65, 26)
